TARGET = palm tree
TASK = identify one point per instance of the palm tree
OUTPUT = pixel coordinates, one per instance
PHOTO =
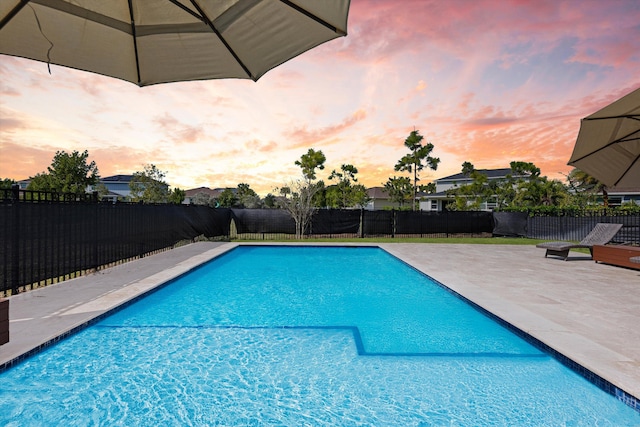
(581, 181)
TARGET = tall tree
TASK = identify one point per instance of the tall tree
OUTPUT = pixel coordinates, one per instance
(429, 188)
(342, 194)
(41, 182)
(228, 198)
(310, 162)
(359, 196)
(522, 187)
(582, 182)
(247, 197)
(470, 196)
(149, 186)
(417, 159)
(399, 190)
(68, 173)
(541, 192)
(270, 201)
(468, 169)
(176, 196)
(299, 195)
(6, 183)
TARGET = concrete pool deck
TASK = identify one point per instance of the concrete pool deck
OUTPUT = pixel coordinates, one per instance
(586, 311)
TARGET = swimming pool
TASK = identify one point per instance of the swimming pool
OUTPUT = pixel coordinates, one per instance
(301, 336)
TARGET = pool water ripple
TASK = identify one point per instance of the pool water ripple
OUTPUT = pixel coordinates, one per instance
(289, 376)
(301, 337)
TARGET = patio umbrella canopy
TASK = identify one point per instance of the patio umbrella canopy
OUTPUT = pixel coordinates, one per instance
(608, 144)
(159, 41)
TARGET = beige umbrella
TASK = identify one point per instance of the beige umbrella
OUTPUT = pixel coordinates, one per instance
(608, 144)
(159, 41)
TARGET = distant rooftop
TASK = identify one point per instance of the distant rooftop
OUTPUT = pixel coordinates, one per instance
(377, 193)
(121, 178)
(489, 173)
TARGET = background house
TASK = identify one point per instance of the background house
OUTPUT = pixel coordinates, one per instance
(438, 201)
(213, 193)
(117, 187)
(618, 195)
(379, 199)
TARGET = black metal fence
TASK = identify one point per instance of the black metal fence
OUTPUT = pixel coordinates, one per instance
(574, 228)
(272, 223)
(45, 238)
(44, 241)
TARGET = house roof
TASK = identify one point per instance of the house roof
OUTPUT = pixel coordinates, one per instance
(623, 190)
(489, 173)
(377, 193)
(118, 178)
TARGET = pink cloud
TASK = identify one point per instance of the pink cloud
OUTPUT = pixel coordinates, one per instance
(385, 29)
(302, 137)
(177, 131)
(263, 147)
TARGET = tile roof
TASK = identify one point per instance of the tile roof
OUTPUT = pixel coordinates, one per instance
(121, 178)
(377, 193)
(490, 173)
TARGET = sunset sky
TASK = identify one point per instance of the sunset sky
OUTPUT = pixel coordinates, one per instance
(487, 82)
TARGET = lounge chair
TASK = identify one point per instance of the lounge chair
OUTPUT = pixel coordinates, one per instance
(601, 234)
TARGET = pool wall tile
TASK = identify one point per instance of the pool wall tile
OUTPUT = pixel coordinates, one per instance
(78, 328)
(629, 399)
(587, 374)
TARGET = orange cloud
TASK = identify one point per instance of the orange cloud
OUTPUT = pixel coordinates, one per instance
(177, 131)
(20, 161)
(264, 147)
(303, 138)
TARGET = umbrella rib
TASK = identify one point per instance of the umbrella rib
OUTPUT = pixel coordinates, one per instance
(624, 138)
(314, 17)
(222, 39)
(135, 41)
(619, 116)
(13, 13)
(186, 9)
(627, 170)
(72, 9)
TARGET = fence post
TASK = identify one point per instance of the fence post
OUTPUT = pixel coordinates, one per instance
(15, 192)
(15, 239)
(393, 223)
(446, 222)
(94, 232)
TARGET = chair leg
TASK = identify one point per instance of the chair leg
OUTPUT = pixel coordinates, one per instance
(560, 253)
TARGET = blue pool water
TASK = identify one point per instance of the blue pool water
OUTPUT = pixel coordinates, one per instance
(301, 336)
